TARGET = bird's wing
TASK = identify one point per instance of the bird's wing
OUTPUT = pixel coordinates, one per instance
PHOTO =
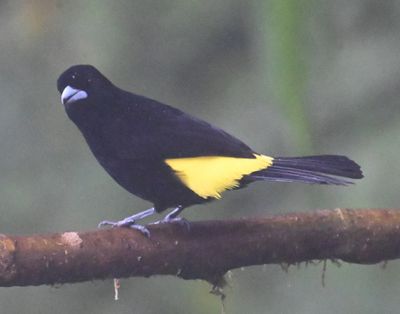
(159, 131)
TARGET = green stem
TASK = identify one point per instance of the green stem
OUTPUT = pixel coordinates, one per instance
(284, 29)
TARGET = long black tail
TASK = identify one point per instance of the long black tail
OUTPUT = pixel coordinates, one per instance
(323, 169)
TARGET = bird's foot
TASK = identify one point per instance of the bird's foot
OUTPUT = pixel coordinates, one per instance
(121, 223)
(130, 222)
(126, 224)
(179, 220)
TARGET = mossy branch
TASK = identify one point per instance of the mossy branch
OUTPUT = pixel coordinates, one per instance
(206, 251)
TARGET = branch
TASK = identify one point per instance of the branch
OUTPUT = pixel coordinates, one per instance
(206, 251)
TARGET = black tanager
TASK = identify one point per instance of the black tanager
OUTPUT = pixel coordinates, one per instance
(171, 158)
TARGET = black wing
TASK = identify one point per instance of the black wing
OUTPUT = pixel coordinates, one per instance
(149, 129)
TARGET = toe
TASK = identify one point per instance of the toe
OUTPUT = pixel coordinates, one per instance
(142, 229)
(106, 223)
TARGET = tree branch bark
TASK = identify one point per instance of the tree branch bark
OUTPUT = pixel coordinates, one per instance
(206, 251)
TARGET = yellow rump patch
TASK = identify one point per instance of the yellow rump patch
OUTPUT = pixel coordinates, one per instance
(208, 176)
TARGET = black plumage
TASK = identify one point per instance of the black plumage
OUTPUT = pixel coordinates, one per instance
(132, 137)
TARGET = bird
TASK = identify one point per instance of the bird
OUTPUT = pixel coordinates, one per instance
(171, 158)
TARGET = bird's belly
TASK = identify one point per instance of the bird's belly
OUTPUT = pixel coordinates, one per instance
(151, 180)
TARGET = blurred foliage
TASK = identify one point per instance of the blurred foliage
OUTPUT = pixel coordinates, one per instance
(287, 64)
(287, 77)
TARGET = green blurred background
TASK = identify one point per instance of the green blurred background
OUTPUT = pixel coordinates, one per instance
(287, 77)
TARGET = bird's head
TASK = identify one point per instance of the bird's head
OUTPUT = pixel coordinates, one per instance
(80, 85)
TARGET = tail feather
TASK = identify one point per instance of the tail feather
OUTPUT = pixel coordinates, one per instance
(323, 169)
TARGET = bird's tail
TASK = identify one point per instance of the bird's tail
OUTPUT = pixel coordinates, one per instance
(323, 169)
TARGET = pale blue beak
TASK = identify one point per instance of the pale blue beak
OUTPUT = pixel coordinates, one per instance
(71, 95)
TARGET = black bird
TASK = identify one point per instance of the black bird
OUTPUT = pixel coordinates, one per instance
(170, 158)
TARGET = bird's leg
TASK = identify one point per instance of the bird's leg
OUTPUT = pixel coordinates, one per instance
(131, 221)
(173, 217)
(174, 214)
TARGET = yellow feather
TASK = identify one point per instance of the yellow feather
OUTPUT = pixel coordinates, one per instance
(208, 176)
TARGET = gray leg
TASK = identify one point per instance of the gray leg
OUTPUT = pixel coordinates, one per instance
(173, 214)
(131, 221)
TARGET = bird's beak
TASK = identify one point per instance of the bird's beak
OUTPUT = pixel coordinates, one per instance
(70, 95)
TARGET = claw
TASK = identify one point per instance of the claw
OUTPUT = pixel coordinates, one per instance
(122, 223)
(142, 229)
(106, 223)
(178, 220)
(130, 222)
(173, 217)
(125, 224)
